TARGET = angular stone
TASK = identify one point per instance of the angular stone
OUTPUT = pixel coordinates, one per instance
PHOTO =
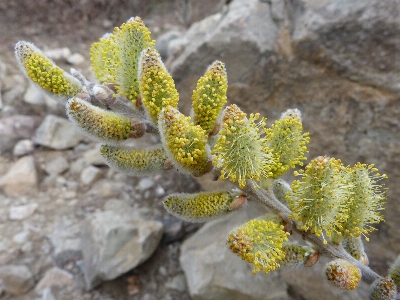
(15, 128)
(34, 95)
(93, 157)
(21, 179)
(56, 166)
(23, 147)
(75, 59)
(58, 53)
(337, 61)
(113, 244)
(214, 272)
(22, 212)
(90, 174)
(54, 277)
(57, 133)
(17, 279)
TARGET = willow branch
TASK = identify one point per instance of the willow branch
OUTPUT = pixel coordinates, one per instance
(330, 250)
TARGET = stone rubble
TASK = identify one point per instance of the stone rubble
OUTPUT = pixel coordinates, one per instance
(113, 245)
(57, 133)
(21, 179)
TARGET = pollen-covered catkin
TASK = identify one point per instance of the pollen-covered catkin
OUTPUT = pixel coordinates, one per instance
(133, 161)
(44, 73)
(203, 207)
(240, 152)
(259, 242)
(157, 88)
(184, 142)
(100, 124)
(210, 96)
(342, 274)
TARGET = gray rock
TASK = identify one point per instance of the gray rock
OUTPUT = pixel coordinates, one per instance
(17, 279)
(145, 184)
(335, 60)
(93, 157)
(58, 53)
(23, 147)
(90, 174)
(65, 238)
(54, 277)
(15, 128)
(34, 95)
(75, 59)
(177, 283)
(21, 237)
(21, 178)
(214, 272)
(22, 212)
(56, 166)
(47, 294)
(113, 244)
(14, 87)
(164, 40)
(57, 133)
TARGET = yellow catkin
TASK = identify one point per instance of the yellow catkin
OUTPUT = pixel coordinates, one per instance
(43, 72)
(240, 152)
(318, 201)
(210, 96)
(98, 123)
(157, 88)
(134, 161)
(185, 143)
(342, 274)
(260, 243)
(287, 142)
(203, 207)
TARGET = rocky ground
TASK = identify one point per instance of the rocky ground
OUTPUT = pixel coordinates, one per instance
(68, 223)
(54, 183)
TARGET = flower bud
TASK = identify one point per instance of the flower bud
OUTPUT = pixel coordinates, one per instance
(342, 274)
(383, 289)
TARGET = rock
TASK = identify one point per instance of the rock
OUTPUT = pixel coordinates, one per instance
(23, 147)
(75, 59)
(177, 283)
(21, 237)
(163, 42)
(78, 166)
(22, 212)
(193, 11)
(17, 279)
(65, 240)
(56, 166)
(93, 157)
(34, 95)
(14, 87)
(57, 133)
(21, 178)
(47, 294)
(90, 174)
(54, 277)
(113, 244)
(214, 272)
(58, 53)
(145, 184)
(337, 61)
(15, 128)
